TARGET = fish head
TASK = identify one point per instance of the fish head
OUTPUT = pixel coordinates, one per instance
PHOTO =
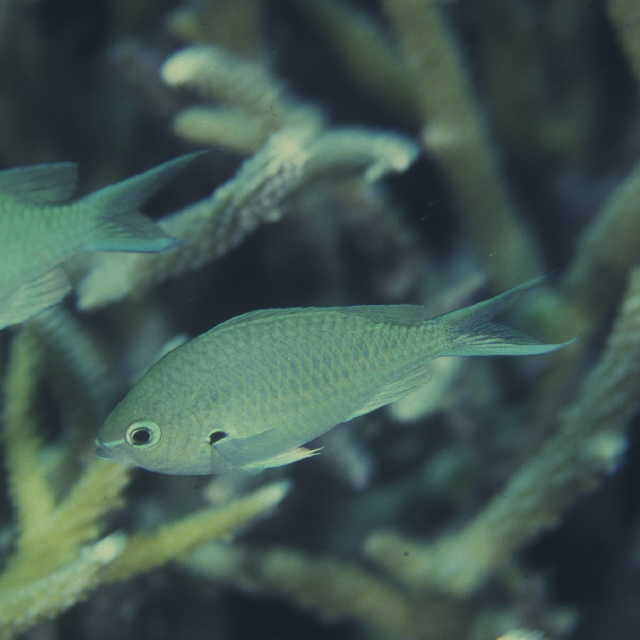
(157, 431)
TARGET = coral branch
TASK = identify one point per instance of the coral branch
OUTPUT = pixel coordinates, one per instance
(608, 248)
(147, 551)
(247, 89)
(588, 444)
(24, 606)
(32, 496)
(625, 16)
(367, 52)
(456, 135)
(333, 589)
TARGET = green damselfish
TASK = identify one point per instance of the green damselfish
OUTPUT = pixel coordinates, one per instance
(249, 392)
(40, 229)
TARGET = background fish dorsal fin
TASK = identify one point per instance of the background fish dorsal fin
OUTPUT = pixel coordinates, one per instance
(41, 183)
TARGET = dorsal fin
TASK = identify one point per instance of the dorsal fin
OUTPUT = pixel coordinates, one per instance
(41, 183)
(260, 314)
(399, 314)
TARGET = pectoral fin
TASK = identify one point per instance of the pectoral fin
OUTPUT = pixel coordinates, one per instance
(268, 448)
(293, 455)
(33, 297)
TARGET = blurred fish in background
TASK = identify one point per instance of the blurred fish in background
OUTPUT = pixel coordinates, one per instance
(38, 234)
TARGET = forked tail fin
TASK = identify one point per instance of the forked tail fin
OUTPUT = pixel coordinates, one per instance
(471, 332)
(117, 224)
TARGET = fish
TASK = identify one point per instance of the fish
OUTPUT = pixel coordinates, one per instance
(248, 393)
(41, 228)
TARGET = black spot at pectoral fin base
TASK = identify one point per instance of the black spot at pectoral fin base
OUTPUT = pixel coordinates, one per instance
(216, 436)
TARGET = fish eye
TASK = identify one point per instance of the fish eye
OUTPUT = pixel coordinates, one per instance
(216, 436)
(143, 433)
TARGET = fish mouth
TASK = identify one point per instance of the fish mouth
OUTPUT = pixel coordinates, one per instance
(102, 451)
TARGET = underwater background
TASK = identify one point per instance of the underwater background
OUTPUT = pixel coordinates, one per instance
(360, 152)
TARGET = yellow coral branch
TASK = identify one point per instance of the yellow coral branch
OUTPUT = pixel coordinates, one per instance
(79, 517)
(49, 534)
(31, 493)
(146, 551)
(24, 606)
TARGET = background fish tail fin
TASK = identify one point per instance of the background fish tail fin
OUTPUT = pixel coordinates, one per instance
(472, 333)
(118, 226)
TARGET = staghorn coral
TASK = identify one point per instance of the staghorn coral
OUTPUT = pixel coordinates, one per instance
(455, 133)
(256, 104)
(528, 124)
